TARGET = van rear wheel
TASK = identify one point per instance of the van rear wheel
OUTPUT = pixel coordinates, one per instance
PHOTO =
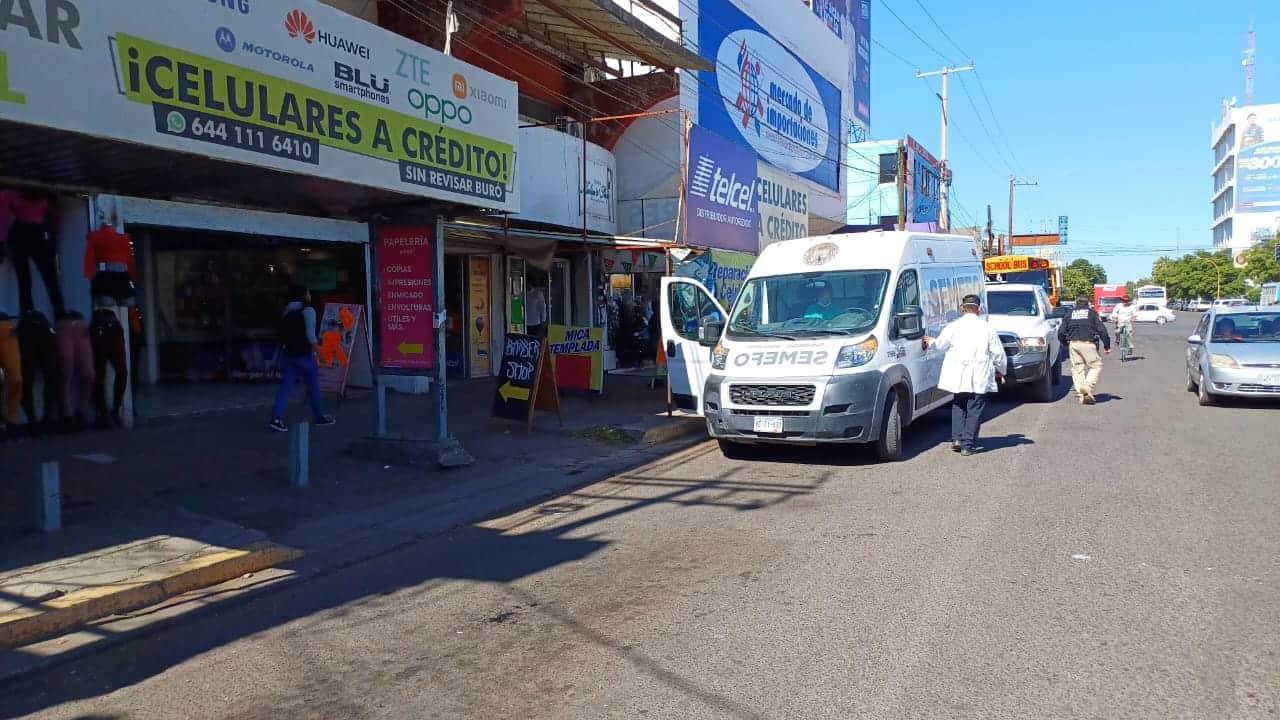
(889, 444)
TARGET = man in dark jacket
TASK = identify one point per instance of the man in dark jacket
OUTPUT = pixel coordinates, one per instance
(1081, 331)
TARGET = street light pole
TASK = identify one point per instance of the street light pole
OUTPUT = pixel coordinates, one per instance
(944, 204)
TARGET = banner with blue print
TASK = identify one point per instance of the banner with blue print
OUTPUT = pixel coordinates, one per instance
(1258, 177)
(764, 97)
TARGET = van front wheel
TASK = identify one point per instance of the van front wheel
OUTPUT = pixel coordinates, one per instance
(889, 444)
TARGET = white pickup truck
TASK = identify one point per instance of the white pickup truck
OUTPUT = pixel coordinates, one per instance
(1022, 317)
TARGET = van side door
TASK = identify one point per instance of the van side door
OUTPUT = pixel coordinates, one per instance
(687, 305)
(906, 348)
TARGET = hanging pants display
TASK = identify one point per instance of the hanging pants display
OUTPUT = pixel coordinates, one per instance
(28, 242)
(75, 362)
(39, 360)
(107, 337)
(11, 364)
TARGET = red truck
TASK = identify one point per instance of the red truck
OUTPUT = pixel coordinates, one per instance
(1107, 297)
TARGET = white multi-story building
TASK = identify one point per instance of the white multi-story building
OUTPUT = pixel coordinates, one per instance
(1246, 176)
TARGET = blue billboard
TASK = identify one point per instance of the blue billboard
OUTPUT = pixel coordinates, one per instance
(722, 204)
(861, 17)
(1258, 177)
(764, 97)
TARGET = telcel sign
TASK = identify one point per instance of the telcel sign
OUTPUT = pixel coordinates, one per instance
(293, 85)
(722, 194)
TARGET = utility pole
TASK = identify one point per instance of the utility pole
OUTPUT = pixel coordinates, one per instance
(944, 209)
(1014, 182)
(990, 236)
(902, 185)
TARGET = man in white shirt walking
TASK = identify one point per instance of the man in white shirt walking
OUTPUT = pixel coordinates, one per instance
(974, 361)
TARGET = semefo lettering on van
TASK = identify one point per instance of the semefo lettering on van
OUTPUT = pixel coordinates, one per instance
(769, 358)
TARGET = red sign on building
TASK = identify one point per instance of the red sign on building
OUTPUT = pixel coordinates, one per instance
(406, 296)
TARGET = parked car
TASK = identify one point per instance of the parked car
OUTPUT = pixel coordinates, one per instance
(1235, 351)
(1028, 329)
(1201, 305)
(1150, 312)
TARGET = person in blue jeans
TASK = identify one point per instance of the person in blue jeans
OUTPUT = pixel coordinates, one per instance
(298, 342)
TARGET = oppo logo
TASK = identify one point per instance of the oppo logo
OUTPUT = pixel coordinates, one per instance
(434, 107)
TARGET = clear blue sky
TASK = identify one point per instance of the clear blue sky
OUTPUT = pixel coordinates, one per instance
(1108, 105)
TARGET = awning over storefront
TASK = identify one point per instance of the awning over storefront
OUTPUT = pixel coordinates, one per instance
(601, 28)
(536, 246)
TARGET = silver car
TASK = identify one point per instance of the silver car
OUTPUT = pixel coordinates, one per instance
(1235, 351)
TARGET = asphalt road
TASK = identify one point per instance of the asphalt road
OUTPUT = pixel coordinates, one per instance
(1115, 561)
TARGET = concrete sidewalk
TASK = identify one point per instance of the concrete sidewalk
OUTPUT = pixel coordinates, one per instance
(93, 576)
(161, 510)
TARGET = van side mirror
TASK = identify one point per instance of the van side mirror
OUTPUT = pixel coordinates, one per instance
(909, 324)
(709, 333)
(1195, 340)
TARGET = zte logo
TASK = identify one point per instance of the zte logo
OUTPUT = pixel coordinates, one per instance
(711, 184)
(240, 6)
(297, 24)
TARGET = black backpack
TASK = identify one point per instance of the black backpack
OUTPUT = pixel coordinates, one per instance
(293, 335)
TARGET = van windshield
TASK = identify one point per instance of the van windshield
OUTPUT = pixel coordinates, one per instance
(839, 302)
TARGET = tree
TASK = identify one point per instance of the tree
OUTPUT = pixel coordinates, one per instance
(1197, 275)
(1080, 276)
(1260, 263)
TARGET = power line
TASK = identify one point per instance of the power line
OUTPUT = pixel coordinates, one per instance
(912, 30)
(944, 32)
(995, 118)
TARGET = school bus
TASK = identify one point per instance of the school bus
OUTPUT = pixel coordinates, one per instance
(1025, 269)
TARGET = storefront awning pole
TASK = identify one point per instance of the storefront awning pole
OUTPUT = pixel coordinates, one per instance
(437, 308)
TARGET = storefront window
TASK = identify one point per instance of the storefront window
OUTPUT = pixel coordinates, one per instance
(219, 299)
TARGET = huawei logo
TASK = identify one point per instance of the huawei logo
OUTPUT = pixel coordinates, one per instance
(297, 24)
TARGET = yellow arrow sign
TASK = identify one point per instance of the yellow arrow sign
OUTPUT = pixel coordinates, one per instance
(406, 348)
(507, 391)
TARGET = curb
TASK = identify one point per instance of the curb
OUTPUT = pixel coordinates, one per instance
(63, 614)
(675, 429)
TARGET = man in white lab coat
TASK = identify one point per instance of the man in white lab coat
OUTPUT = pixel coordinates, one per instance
(973, 364)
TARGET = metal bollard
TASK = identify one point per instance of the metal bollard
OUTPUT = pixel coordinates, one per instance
(300, 450)
(49, 512)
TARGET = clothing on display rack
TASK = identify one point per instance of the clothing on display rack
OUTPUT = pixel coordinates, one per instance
(39, 359)
(107, 336)
(32, 240)
(108, 265)
(75, 363)
(11, 364)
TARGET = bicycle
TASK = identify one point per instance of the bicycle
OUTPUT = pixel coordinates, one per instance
(1125, 342)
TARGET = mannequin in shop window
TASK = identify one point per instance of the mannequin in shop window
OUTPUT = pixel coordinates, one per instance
(27, 237)
(109, 267)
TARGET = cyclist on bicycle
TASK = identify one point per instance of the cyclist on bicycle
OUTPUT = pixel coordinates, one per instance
(1123, 315)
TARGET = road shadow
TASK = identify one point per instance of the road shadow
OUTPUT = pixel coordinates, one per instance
(1104, 398)
(497, 550)
(1003, 442)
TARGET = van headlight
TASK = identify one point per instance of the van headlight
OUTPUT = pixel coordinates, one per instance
(1223, 361)
(851, 356)
(1033, 343)
(719, 356)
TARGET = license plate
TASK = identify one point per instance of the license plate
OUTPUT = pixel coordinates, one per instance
(768, 425)
(1266, 380)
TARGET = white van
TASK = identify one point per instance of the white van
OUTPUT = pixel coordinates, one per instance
(823, 343)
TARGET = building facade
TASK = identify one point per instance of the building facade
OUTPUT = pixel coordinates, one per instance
(873, 176)
(1245, 199)
(761, 129)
